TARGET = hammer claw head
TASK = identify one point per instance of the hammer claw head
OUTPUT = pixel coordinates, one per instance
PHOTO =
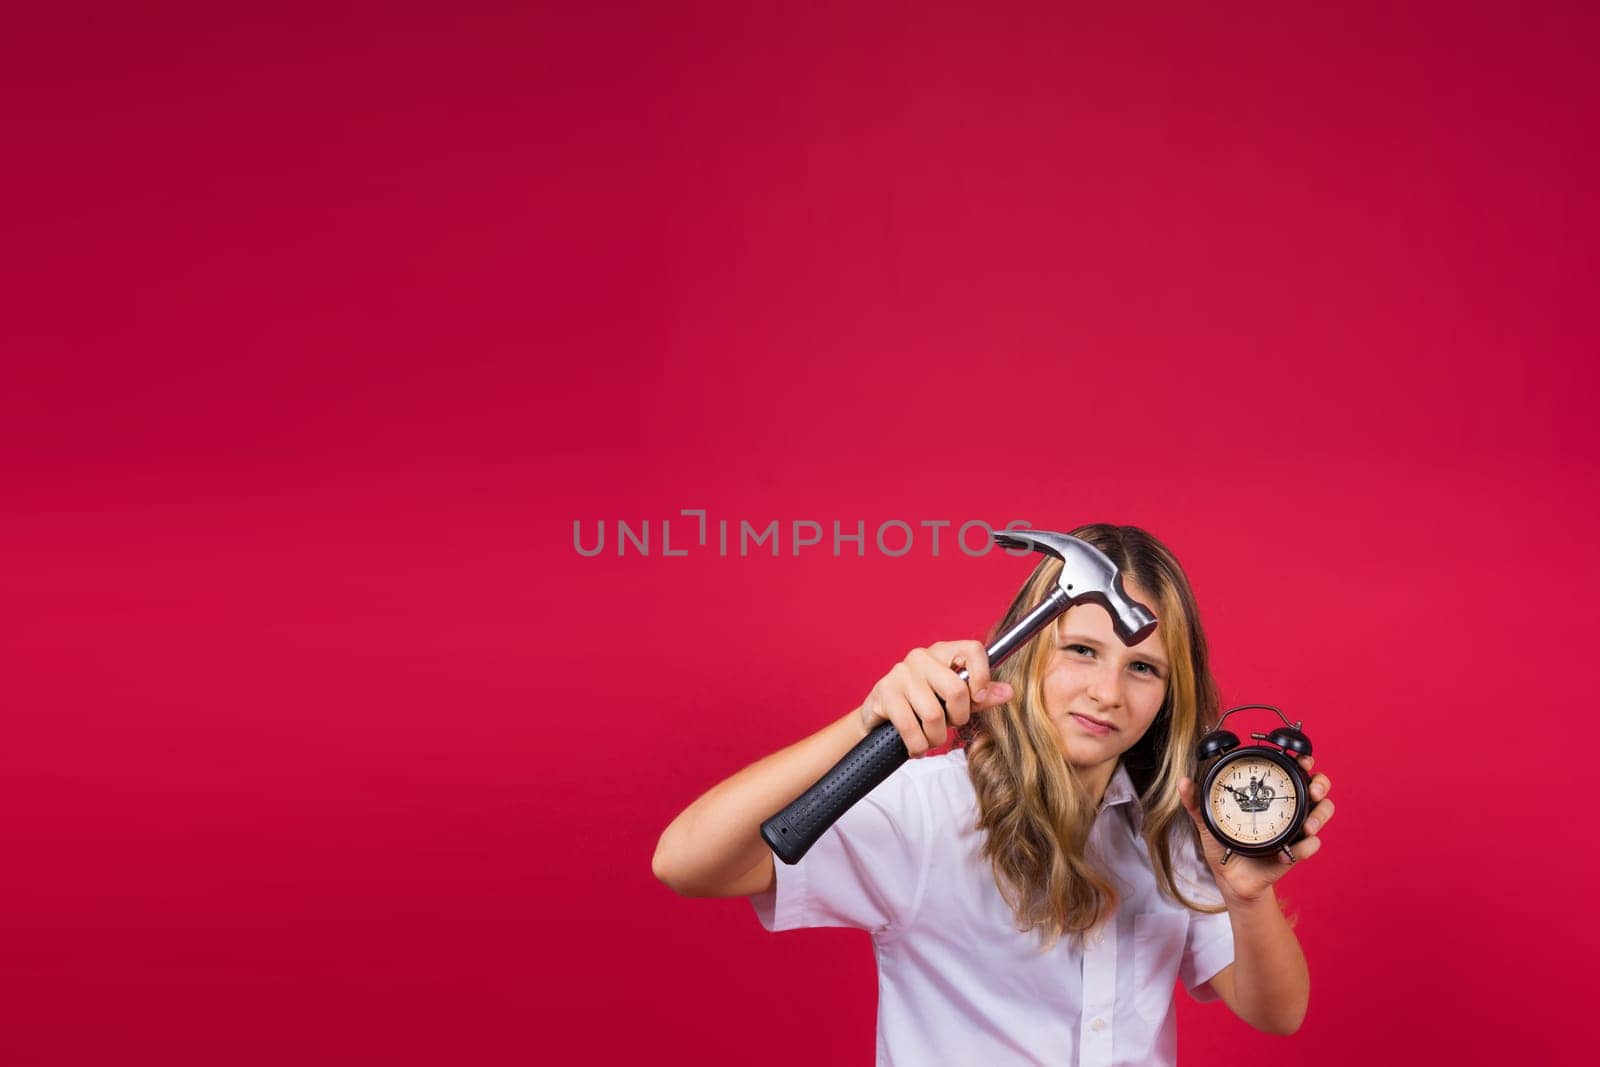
(1088, 575)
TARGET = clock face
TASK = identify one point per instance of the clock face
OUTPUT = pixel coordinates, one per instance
(1252, 800)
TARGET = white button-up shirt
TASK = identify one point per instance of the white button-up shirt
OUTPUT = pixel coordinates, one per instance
(957, 983)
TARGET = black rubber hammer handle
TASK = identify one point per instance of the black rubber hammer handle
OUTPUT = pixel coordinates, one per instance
(797, 827)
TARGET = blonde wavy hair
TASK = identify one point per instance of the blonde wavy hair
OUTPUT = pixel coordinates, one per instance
(1033, 808)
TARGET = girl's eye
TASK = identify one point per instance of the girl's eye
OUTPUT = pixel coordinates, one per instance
(1144, 668)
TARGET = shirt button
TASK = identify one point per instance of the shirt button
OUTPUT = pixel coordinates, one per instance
(1099, 939)
(1098, 1024)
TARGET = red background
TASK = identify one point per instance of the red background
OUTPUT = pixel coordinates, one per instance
(322, 743)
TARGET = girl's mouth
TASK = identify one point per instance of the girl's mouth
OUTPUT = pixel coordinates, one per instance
(1090, 726)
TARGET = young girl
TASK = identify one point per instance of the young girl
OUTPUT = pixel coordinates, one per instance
(1033, 893)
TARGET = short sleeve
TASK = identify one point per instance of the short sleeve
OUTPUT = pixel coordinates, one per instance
(866, 871)
(1209, 946)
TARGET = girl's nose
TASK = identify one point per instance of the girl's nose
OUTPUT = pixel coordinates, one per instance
(1103, 689)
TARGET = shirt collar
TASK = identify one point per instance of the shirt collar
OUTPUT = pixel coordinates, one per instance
(1120, 791)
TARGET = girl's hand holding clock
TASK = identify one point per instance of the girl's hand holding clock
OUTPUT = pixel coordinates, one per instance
(1246, 879)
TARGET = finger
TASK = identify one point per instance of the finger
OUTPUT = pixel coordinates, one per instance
(1320, 786)
(923, 700)
(1191, 802)
(902, 712)
(1307, 761)
(968, 655)
(986, 691)
(947, 687)
(1319, 817)
(995, 694)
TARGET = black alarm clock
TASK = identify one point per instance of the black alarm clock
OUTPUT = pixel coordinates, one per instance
(1255, 798)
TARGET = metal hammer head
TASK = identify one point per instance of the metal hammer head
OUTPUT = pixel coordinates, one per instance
(1087, 574)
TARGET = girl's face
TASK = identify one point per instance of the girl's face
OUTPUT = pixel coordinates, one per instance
(1101, 694)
